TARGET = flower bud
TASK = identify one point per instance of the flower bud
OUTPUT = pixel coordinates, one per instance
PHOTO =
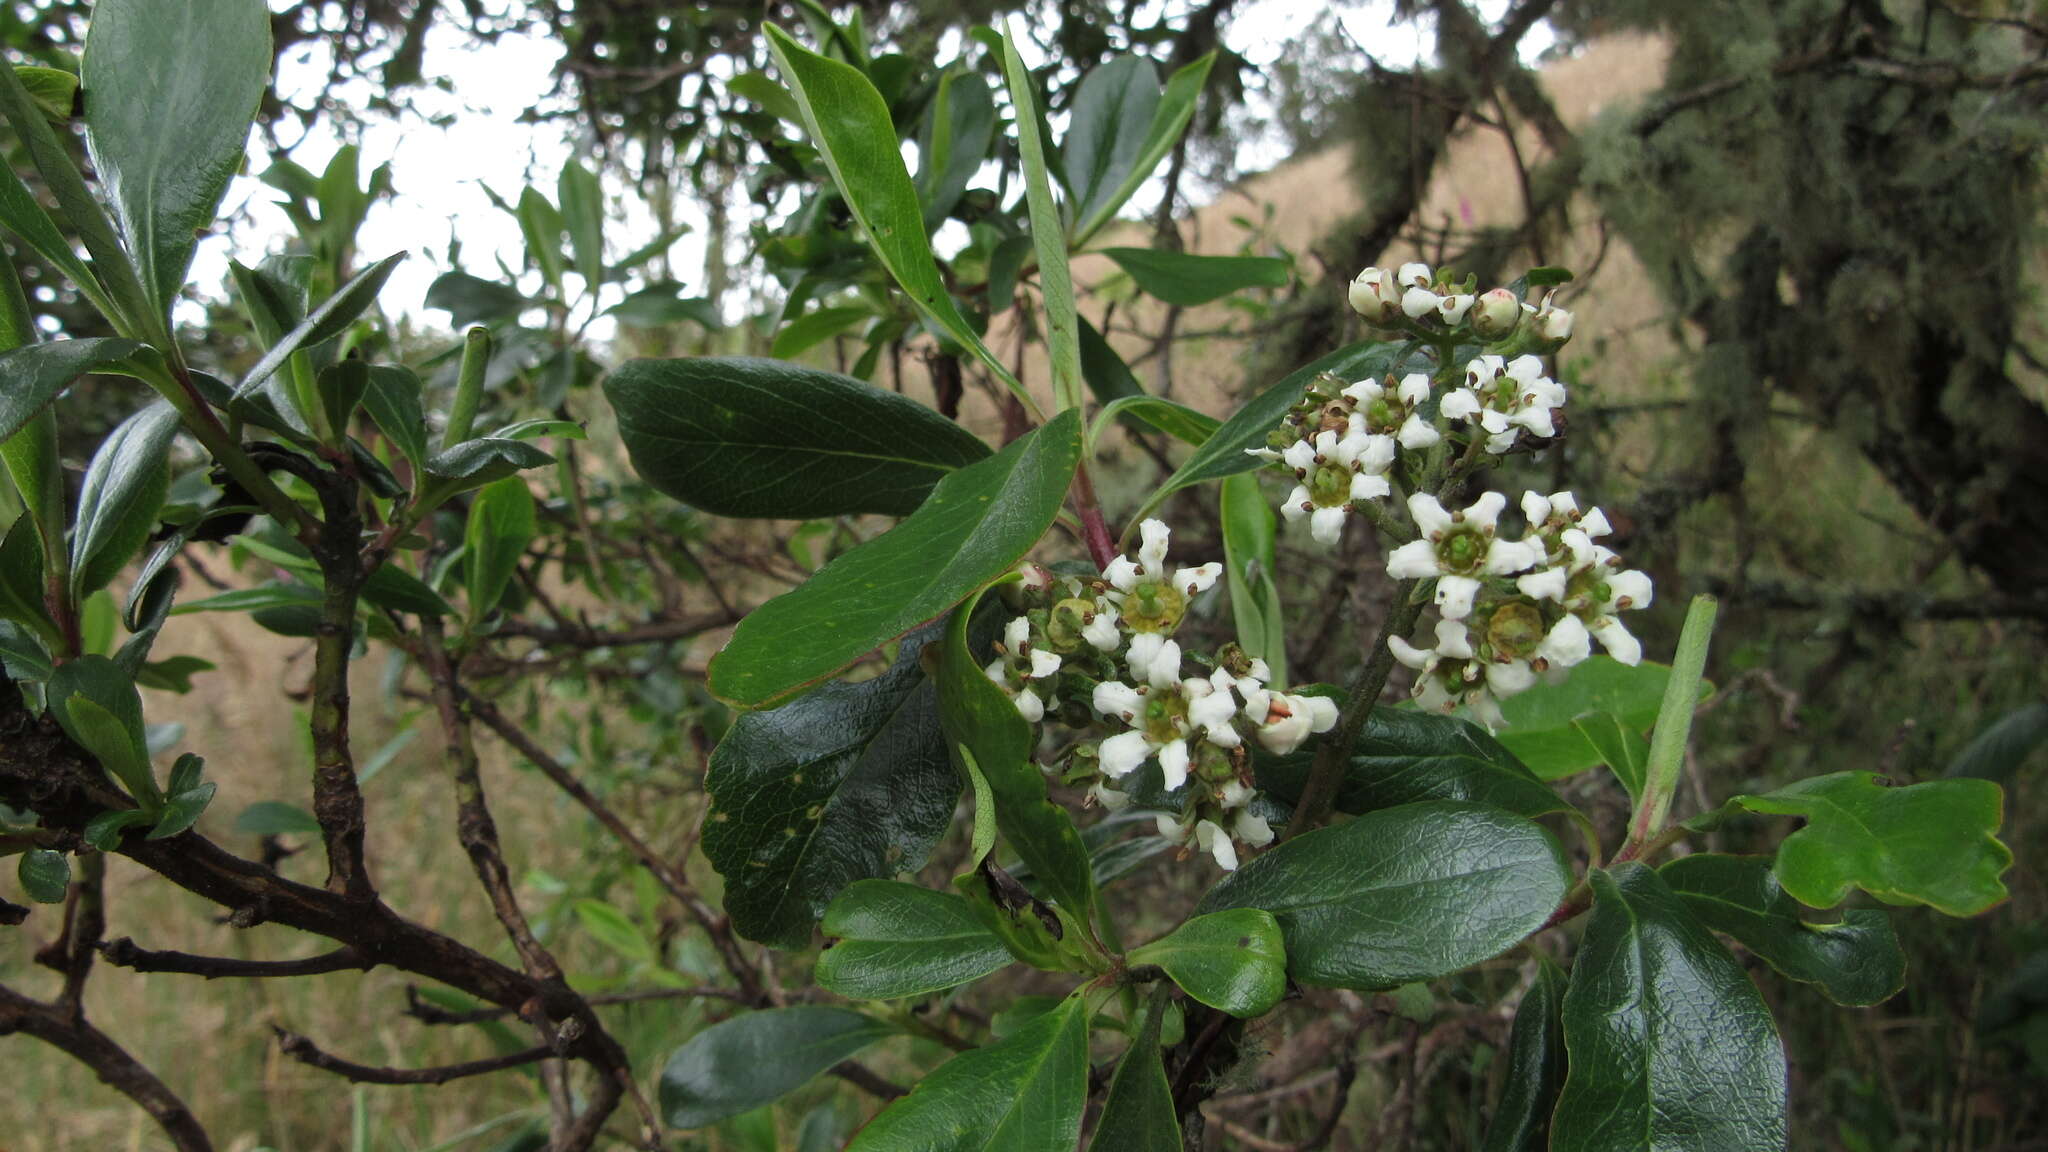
(1375, 296)
(1553, 325)
(1495, 314)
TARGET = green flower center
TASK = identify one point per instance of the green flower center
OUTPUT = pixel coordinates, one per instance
(1463, 550)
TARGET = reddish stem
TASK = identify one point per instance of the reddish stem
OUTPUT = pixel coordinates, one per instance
(1094, 529)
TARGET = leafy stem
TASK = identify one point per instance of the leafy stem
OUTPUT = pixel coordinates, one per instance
(1674, 724)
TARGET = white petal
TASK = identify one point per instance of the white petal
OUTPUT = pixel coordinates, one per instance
(1112, 698)
(1297, 504)
(1121, 753)
(1417, 433)
(1322, 713)
(1414, 560)
(1172, 829)
(1122, 573)
(1535, 509)
(1630, 589)
(1017, 634)
(1043, 663)
(1486, 711)
(1266, 454)
(1377, 455)
(1504, 680)
(1235, 794)
(1209, 836)
(1173, 764)
(1143, 650)
(1432, 696)
(1418, 302)
(1366, 486)
(1363, 392)
(1201, 579)
(1213, 709)
(1413, 273)
(1568, 643)
(1567, 505)
(1536, 420)
(1409, 655)
(1459, 404)
(1619, 642)
(1110, 799)
(1102, 631)
(1429, 516)
(1453, 308)
(1258, 703)
(1543, 584)
(1283, 734)
(1163, 669)
(1506, 557)
(1414, 388)
(1483, 370)
(1454, 596)
(1251, 829)
(1525, 369)
(1485, 511)
(1300, 456)
(1594, 523)
(1453, 640)
(997, 671)
(1326, 525)
(1030, 706)
(1580, 546)
(1152, 552)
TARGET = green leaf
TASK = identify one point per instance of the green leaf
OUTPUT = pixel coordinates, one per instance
(471, 300)
(738, 436)
(273, 294)
(1048, 235)
(501, 526)
(393, 401)
(813, 328)
(323, 323)
(183, 810)
(54, 90)
(1138, 1115)
(272, 594)
(973, 528)
(342, 385)
(1999, 750)
(1249, 528)
(773, 98)
(1856, 962)
(1403, 894)
(276, 818)
(475, 463)
(1024, 1093)
(1112, 112)
(1934, 843)
(44, 875)
(1105, 372)
(1233, 960)
(21, 579)
(1671, 1046)
(1169, 416)
(982, 719)
(170, 93)
(849, 122)
(897, 940)
(850, 783)
(661, 305)
(1223, 454)
(31, 376)
(1624, 749)
(747, 1061)
(1187, 279)
(105, 830)
(1169, 118)
(1540, 727)
(123, 492)
(172, 675)
(958, 127)
(583, 214)
(22, 656)
(615, 931)
(1406, 756)
(1535, 1070)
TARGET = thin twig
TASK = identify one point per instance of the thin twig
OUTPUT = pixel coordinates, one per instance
(306, 1052)
(123, 953)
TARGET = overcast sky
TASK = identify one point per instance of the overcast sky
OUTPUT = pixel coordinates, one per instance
(440, 171)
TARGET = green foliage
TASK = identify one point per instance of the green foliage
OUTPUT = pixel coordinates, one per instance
(894, 940)
(1138, 1114)
(1536, 1066)
(1233, 960)
(1544, 724)
(1856, 961)
(752, 1059)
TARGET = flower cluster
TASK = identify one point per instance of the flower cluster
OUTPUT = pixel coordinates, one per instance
(1510, 610)
(1098, 654)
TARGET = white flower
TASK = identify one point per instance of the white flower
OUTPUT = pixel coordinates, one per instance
(1523, 398)
(1235, 794)
(1172, 830)
(1418, 302)
(1453, 642)
(1252, 829)
(1212, 706)
(1101, 632)
(1416, 432)
(1030, 706)
(1554, 325)
(1110, 799)
(1285, 720)
(1375, 296)
(1458, 549)
(1452, 309)
(1413, 274)
(1567, 643)
(1217, 843)
(1114, 698)
(1459, 404)
(1122, 752)
(1154, 659)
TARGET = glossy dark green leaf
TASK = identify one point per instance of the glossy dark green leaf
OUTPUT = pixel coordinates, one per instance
(272, 294)
(1024, 1093)
(1672, 1049)
(471, 300)
(1233, 961)
(323, 323)
(1999, 750)
(813, 328)
(1535, 1068)
(1138, 1115)
(849, 122)
(850, 783)
(1188, 279)
(1856, 961)
(1403, 894)
(896, 939)
(1405, 756)
(973, 528)
(22, 214)
(96, 704)
(341, 386)
(1624, 749)
(475, 463)
(1934, 843)
(752, 1059)
(501, 525)
(22, 655)
(744, 437)
(1540, 728)
(21, 579)
(173, 674)
(958, 127)
(276, 818)
(1171, 417)
(183, 810)
(123, 491)
(1047, 228)
(1169, 118)
(1112, 113)
(45, 875)
(981, 717)
(105, 830)
(271, 594)
(1108, 378)
(171, 90)
(1223, 454)
(1249, 531)
(393, 401)
(32, 375)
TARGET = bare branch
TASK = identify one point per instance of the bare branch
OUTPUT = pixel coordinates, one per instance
(123, 953)
(306, 1052)
(67, 1030)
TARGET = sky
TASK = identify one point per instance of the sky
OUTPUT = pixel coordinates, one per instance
(441, 170)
